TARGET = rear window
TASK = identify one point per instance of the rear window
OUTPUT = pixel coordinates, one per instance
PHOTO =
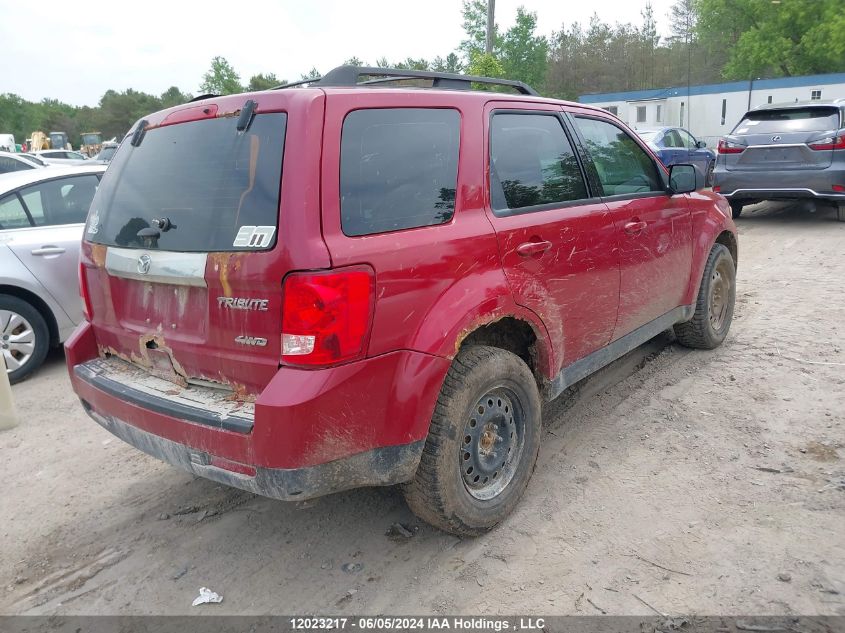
(789, 120)
(398, 169)
(218, 188)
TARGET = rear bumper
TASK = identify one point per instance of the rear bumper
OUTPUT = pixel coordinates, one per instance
(377, 467)
(767, 185)
(312, 432)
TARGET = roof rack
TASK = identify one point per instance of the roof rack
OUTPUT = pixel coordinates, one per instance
(349, 76)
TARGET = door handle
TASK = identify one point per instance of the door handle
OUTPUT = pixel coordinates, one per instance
(48, 250)
(633, 228)
(533, 248)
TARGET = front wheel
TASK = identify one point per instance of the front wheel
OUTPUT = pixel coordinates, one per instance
(482, 444)
(24, 337)
(714, 307)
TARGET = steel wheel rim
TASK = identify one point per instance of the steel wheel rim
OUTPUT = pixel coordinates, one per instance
(17, 340)
(492, 443)
(720, 289)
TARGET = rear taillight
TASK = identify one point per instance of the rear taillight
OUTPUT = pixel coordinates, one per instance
(84, 294)
(326, 316)
(729, 147)
(828, 143)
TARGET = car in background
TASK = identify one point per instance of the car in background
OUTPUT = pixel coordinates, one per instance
(785, 151)
(42, 215)
(675, 145)
(106, 153)
(62, 157)
(12, 162)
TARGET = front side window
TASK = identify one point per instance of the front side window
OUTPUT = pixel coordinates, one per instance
(532, 163)
(398, 169)
(61, 201)
(623, 166)
(687, 140)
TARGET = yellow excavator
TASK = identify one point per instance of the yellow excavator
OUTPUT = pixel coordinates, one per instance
(55, 140)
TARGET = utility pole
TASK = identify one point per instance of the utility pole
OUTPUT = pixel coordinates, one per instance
(491, 21)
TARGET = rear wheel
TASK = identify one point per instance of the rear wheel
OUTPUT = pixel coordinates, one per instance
(24, 337)
(482, 444)
(840, 211)
(708, 178)
(736, 209)
(714, 307)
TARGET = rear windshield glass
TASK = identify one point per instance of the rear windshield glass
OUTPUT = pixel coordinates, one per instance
(398, 169)
(789, 120)
(217, 189)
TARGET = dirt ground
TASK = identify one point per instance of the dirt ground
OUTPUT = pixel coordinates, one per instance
(674, 481)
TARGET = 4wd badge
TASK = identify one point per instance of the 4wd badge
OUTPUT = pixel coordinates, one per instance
(254, 236)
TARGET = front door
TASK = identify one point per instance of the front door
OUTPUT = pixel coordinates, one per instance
(557, 240)
(654, 227)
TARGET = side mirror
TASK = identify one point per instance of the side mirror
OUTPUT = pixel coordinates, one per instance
(685, 179)
(700, 144)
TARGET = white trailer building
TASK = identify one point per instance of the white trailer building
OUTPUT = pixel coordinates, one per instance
(712, 110)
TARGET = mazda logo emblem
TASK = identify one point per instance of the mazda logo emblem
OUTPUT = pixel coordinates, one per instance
(775, 139)
(144, 262)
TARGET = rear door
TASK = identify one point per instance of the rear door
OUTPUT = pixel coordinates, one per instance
(654, 228)
(557, 240)
(56, 211)
(193, 230)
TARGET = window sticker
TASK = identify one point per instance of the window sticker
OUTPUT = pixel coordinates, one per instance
(93, 223)
(254, 236)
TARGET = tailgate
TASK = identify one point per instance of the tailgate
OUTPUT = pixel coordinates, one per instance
(187, 242)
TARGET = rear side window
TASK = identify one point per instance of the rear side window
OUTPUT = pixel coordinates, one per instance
(218, 188)
(532, 163)
(12, 213)
(61, 201)
(816, 119)
(398, 169)
(623, 166)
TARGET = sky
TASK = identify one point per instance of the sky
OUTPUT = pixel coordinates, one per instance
(75, 51)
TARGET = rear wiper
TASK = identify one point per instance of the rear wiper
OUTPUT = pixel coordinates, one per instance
(247, 114)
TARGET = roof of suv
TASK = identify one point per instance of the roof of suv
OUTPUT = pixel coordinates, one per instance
(837, 103)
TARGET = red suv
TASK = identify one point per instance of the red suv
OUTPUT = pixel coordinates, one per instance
(310, 289)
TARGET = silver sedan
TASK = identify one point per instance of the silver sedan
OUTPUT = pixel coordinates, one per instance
(42, 216)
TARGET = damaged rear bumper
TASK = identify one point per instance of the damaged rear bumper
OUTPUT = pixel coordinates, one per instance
(378, 467)
(309, 433)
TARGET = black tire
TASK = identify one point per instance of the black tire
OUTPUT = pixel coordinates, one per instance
(34, 323)
(447, 493)
(714, 307)
(709, 175)
(840, 212)
(736, 209)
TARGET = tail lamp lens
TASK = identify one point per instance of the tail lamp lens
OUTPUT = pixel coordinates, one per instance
(829, 143)
(326, 316)
(727, 147)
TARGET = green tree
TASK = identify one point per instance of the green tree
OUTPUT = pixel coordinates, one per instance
(312, 74)
(263, 81)
(354, 61)
(173, 97)
(523, 53)
(793, 37)
(413, 64)
(474, 14)
(451, 64)
(221, 78)
(484, 65)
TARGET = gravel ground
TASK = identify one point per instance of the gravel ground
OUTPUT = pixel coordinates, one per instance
(673, 481)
